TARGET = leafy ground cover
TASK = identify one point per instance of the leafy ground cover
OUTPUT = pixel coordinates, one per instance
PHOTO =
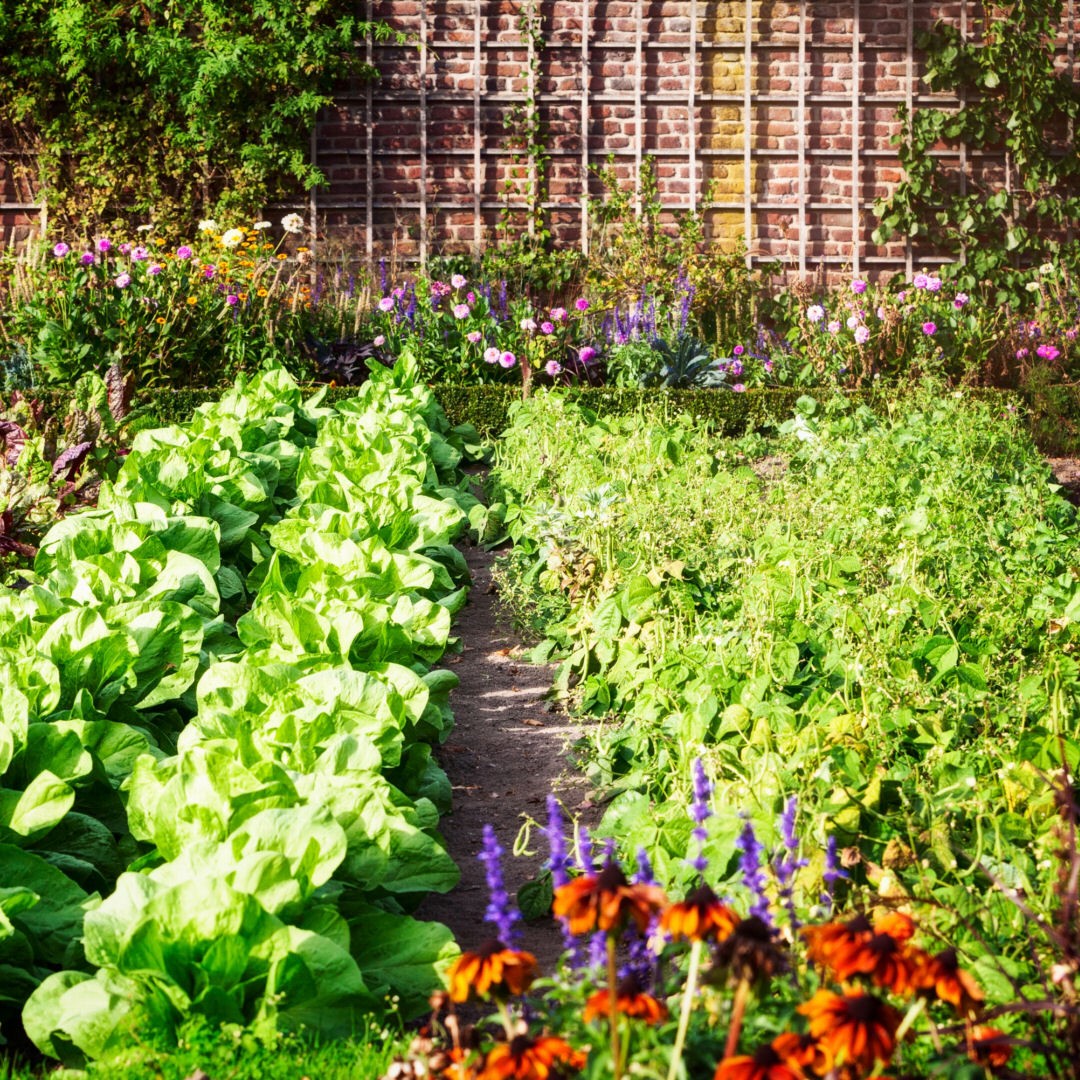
(874, 613)
(218, 796)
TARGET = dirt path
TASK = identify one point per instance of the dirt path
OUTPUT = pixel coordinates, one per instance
(508, 749)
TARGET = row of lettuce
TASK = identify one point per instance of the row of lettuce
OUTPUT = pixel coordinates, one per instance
(877, 613)
(217, 792)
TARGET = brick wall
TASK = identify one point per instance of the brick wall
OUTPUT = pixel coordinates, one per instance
(798, 186)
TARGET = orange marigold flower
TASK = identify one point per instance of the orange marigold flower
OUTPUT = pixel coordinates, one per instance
(493, 968)
(768, 1062)
(854, 1029)
(989, 1047)
(606, 901)
(701, 915)
(525, 1058)
(630, 999)
(882, 956)
(942, 975)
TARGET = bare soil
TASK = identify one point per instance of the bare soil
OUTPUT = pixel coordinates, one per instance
(1067, 474)
(508, 750)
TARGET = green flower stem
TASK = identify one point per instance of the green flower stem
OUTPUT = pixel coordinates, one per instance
(685, 1008)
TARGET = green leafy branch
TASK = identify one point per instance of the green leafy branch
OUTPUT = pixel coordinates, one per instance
(1014, 102)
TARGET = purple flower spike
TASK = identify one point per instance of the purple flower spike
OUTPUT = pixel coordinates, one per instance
(833, 873)
(585, 851)
(500, 912)
(753, 875)
(559, 858)
(700, 811)
(787, 862)
(644, 875)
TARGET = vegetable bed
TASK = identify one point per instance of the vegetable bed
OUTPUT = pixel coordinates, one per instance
(217, 794)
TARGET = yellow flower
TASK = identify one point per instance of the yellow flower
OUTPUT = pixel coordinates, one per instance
(192, 299)
(261, 292)
(160, 321)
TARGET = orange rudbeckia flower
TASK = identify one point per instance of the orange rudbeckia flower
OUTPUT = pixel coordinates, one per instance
(492, 968)
(525, 1058)
(768, 1062)
(942, 975)
(606, 901)
(854, 1029)
(883, 955)
(989, 1047)
(701, 915)
(805, 1051)
(630, 999)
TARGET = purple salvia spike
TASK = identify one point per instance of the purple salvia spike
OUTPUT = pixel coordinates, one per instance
(383, 280)
(751, 853)
(500, 912)
(644, 875)
(787, 862)
(585, 851)
(559, 860)
(833, 873)
(700, 812)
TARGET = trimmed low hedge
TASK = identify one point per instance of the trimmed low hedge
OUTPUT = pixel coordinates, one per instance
(1053, 411)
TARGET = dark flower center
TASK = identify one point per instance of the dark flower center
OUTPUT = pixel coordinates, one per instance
(702, 897)
(859, 925)
(489, 948)
(766, 1057)
(520, 1045)
(863, 1008)
(611, 878)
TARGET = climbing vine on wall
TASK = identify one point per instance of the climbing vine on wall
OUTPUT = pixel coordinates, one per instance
(172, 109)
(1018, 102)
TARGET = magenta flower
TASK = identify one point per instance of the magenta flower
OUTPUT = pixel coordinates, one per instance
(183, 252)
(920, 281)
(858, 286)
(1047, 352)
(768, 366)
(862, 335)
(507, 359)
(125, 248)
(961, 300)
(470, 298)
(929, 329)
(461, 311)
(87, 258)
(581, 304)
(386, 303)
(154, 269)
(933, 284)
(738, 350)
(559, 314)
(103, 245)
(122, 281)
(553, 367)
(474, 336)
(547, 327)
(232, 300)
(587, 354)
(60, 250)
(139, 254)
(739, 388)
(1021, 353)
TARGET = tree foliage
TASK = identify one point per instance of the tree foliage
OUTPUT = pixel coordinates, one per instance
(171, 108)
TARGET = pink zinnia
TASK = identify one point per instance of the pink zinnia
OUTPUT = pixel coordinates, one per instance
(581, 304)
(378, 341)
(183, 252)
(553, 367)
(862, 335)
(558, 314)
(547, 328)
(739, 388)
(587, 354)
(929, 329)
(474, 336)
(738, 350)
(458, 281)
(858, 286)
(103, 245)
(60, 250)
(386, 303)
(122, 281)
(232, 300)
(507, 359)
(461, 311)
(492, 355)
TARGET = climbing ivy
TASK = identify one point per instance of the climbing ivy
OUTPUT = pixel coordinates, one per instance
(175, 109)
(1016, 101)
